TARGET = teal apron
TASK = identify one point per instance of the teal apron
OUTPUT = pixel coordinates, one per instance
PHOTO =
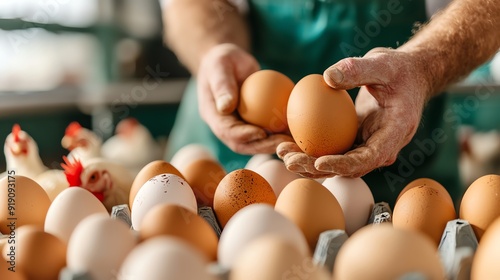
(300, 37)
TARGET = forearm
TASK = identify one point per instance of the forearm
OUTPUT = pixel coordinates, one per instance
(456, 41)
(192, 27)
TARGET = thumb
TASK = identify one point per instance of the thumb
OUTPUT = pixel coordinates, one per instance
(224, 88)
(353, 72)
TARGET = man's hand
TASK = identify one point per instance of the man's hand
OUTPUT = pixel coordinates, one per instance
(394, 89)
(222, 71)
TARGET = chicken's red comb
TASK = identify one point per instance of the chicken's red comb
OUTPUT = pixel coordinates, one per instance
(72, 170)
(126, 126)
(72, 129)
(15, 131)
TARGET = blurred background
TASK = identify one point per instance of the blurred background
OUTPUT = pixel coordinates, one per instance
(100, 61)
(91, 61)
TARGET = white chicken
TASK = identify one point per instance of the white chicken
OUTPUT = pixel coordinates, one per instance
(479, 154)
(82, 143)
(109, 181)
(21, 154)
(132, 145)
(53, 181)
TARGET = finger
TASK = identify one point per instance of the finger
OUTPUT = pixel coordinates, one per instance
(231, 129)
(353, 72)
(378, 152)
(262, 146)
(224, 87)
(285, 148)
(301, 163)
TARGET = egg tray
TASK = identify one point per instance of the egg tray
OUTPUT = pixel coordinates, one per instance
(457, 247)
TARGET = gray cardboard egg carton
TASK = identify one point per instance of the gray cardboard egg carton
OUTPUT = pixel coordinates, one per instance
(457, 247)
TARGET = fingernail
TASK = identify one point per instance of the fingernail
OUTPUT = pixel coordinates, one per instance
(335, 75)
(223, 102)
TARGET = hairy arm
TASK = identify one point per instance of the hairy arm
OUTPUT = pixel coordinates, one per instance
(456, 41)
(396, 83)
(192, 27)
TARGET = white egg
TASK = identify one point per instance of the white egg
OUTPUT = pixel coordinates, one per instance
(68, 209)
(252, 222)
(355, 199)
(164, 258)
(189, 154)
(99, 245)
(163, 188)
(256, 160)
(275, 172)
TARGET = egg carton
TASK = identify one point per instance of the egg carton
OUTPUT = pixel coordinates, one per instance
(457, 246)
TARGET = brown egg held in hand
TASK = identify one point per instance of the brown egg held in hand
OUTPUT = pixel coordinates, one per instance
(204, 176)
(322, 120)
(263, 100)
(149, 171)
(480, 204)
(177, 221)
(39, 255)
(238, 189)
(22, 202)
(312, 207)
(425, 208)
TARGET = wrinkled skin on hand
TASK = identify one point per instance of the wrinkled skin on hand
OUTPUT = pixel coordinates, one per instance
(222, 71)
(393, 92)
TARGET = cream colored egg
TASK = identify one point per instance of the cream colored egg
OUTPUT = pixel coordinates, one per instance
(256, 160)
(99, 245)
(164, 258)
(252, 222)
(190, 153)
(355, 199)
(68, 209)
(276, 174)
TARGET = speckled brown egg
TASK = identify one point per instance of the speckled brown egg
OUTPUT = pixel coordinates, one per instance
(426, 209)
(480, 204)
(149, 171)
(22, 202)
(424, 182)
(238, 189)
(204, 176)
(322, 120)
